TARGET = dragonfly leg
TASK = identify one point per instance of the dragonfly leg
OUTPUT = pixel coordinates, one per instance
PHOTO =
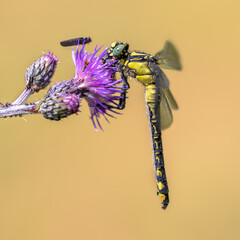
(122, 101)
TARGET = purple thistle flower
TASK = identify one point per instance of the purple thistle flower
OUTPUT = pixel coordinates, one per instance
(93, 81)
(96, 81)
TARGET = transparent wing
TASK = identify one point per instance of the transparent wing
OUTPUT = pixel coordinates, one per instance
(164, 98)
(161, 79)
(170, 99)
(169, 57)
(166, 117)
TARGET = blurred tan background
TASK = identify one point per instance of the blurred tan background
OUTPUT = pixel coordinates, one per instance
(62, 180)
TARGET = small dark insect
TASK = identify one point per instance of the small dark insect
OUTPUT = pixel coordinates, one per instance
(75, 41)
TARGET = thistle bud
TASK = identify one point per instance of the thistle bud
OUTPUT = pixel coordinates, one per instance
(39, 74)
(57, 106)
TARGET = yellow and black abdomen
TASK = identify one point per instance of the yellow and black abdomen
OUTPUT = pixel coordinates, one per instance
(143, 67)
(153, 109)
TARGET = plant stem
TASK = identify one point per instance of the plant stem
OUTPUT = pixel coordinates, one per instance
(18, 110)
(24, 96)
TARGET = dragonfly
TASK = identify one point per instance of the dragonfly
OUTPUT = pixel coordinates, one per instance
(147, 69)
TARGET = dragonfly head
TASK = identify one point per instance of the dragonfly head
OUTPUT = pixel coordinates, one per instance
(118, 50)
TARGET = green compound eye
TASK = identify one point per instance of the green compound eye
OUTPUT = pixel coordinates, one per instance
(118, 50)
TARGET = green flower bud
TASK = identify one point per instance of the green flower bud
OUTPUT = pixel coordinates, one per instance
(57, 106)
(39, 74)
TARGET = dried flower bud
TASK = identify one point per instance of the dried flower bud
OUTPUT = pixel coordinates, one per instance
(39, 74)
(57, 106)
